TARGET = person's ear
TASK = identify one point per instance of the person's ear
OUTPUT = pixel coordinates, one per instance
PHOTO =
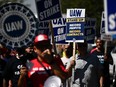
(35, 49)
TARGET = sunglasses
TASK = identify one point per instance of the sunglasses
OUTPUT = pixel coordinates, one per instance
(44, 47)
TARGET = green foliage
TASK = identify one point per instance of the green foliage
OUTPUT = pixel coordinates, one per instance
(6, 1)
(93, 8)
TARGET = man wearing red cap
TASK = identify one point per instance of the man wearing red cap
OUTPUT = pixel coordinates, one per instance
(45, 65)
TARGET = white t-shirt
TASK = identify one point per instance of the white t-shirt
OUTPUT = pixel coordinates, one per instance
(87, 72)
(65, 60)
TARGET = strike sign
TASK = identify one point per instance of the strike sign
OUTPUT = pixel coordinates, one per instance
(48, 9)
(110, 16)
(75, 25)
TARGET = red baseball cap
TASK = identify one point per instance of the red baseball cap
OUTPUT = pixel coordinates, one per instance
(41, 38)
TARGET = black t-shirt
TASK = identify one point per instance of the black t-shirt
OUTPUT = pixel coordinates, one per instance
(12, 70)
(105, 64)
(2, 65)
(100, 56)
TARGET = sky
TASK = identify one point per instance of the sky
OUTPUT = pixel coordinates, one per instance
(32, 6)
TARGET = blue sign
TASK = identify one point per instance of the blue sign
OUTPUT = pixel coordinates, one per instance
(75, 25)
(89, 35)
(43, 27)
(114, 37)
(18, 25)
(48, 9)
(102, 30)
(75, 31)
(60, 35)
(59, 27)
(110, 16)
(90, 23)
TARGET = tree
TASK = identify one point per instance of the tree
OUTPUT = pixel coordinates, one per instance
(93, 8)
(6, 1)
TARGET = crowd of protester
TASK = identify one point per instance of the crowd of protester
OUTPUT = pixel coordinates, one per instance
(31, 66)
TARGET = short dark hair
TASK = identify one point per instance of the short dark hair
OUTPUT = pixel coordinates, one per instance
(84, 44)
(100, 40)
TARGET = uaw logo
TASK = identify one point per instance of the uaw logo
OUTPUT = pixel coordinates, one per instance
(18, 25)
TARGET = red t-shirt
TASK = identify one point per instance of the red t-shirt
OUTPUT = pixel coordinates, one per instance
(38, 74)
